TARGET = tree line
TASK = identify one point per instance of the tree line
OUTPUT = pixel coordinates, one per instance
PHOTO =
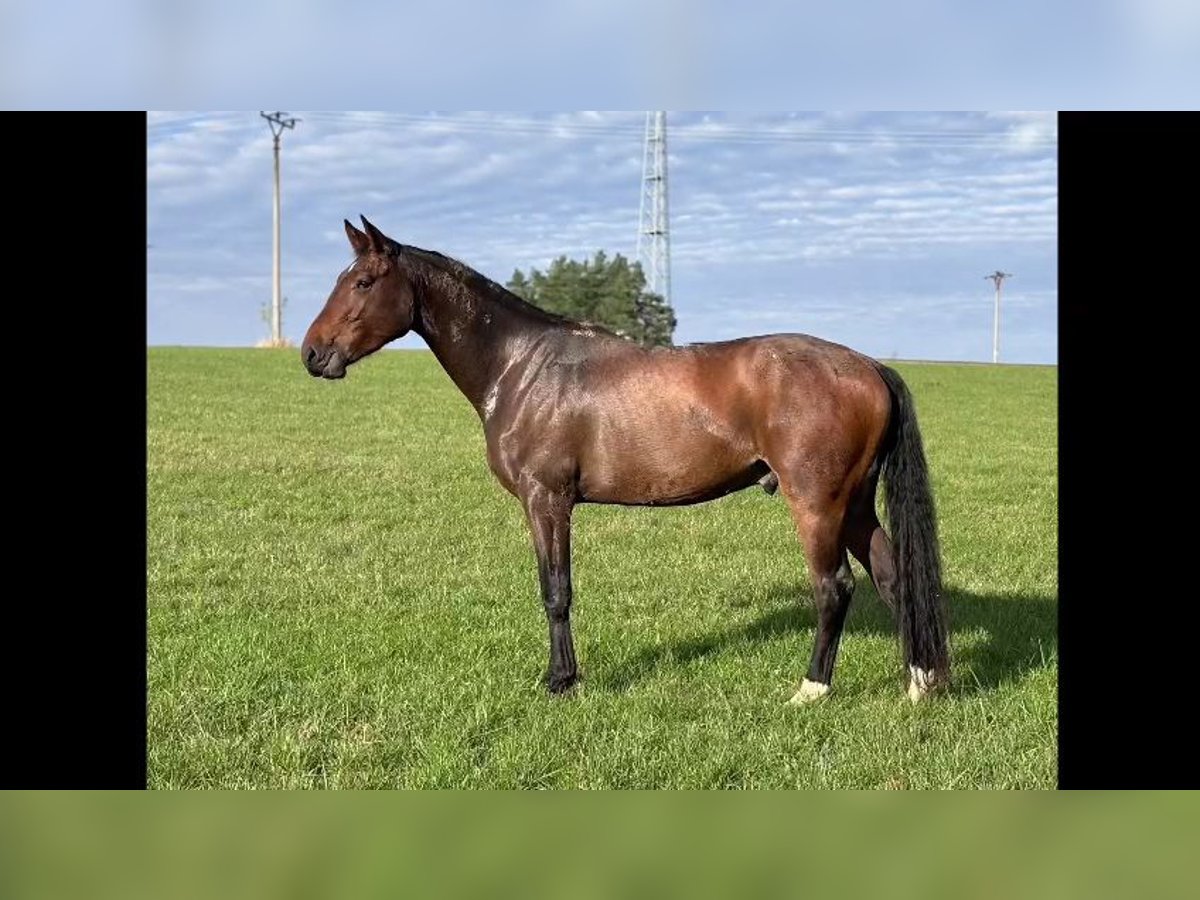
(608, 292)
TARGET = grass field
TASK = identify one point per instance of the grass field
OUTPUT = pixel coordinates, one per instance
(341, 595)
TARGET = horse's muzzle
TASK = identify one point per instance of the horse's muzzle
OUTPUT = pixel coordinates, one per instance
(327, 363)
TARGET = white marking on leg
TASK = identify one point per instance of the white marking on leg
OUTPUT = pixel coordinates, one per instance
(920, 683)
(809, 691)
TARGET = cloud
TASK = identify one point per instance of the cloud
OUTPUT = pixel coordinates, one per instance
(756, 200)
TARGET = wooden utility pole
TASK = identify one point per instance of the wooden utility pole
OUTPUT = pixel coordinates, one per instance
(276, 122)
(997, 277)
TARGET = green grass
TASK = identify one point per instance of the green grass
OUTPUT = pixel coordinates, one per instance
(340, 595)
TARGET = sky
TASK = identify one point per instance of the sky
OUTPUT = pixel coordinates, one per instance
(556, 54)
(874, 230)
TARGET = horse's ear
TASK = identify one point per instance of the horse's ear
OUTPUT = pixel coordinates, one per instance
(359, 241)
(379, 241)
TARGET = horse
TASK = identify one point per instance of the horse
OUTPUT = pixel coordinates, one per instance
(574, 413)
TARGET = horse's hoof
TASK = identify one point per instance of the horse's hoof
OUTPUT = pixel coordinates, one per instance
(920, 684)
(560, 684)
(809, 692)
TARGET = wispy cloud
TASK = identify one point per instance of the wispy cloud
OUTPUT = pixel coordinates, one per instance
(804, 220)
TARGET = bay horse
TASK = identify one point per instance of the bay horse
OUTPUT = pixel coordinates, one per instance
(575, 414)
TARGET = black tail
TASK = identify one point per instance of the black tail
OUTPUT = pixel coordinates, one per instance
(912, 521)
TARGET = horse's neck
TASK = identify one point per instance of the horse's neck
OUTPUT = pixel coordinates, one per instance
(473, 336)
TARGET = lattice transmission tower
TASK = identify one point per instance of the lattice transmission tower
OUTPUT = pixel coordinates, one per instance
(654, 236)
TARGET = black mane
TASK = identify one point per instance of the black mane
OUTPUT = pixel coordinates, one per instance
(481, 285)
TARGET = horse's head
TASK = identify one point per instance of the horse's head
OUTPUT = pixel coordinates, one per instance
(371, 305)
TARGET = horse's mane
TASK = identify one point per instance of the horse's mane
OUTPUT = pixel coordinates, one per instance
(481, 285)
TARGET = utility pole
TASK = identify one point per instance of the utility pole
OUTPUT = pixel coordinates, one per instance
(998, 277)
(276, 122)
(654, 238)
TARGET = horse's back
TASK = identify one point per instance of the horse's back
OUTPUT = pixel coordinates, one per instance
(735, 386)
(784, 372)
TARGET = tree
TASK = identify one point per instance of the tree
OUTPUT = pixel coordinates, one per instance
(608, 292)
(265, 313)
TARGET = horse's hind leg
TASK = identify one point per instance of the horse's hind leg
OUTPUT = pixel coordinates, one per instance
(870, 545)
(820, 529)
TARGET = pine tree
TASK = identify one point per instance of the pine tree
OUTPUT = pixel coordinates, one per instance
(608, 292)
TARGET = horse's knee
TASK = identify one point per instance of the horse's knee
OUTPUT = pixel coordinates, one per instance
(558, 608)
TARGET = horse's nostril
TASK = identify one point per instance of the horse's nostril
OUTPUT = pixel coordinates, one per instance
(310, 356)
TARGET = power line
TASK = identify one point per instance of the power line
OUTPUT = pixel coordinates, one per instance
(766, 133)
(277, 122)
(703, 132)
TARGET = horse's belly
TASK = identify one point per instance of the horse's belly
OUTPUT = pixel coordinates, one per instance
(665, 466)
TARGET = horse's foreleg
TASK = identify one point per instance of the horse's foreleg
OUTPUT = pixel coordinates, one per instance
(549, 516)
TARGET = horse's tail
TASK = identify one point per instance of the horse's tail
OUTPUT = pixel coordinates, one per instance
(913, 524)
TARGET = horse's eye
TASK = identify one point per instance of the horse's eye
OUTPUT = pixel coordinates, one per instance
(363, 283)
